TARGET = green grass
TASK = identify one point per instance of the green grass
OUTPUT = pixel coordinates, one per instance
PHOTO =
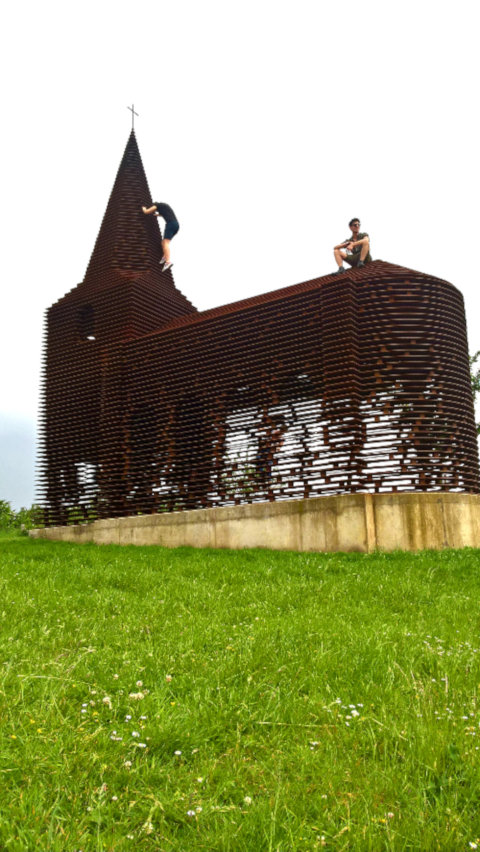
(291, 702)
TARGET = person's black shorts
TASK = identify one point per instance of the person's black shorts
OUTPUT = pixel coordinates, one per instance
(171, 228)
(353, 259)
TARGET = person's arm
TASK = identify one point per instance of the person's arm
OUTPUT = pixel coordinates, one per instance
(152, 209)
(361, 242)
(342, 245)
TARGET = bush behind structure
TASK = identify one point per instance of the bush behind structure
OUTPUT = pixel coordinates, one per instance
(24, 519)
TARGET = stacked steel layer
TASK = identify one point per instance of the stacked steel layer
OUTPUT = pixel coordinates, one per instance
(338, 385)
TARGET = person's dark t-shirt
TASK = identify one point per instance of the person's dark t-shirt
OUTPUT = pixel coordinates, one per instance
(165, 211)
(359, 236)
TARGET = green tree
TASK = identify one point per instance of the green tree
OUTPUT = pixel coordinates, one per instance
(7, 515)
(26, 518)
(475, 379)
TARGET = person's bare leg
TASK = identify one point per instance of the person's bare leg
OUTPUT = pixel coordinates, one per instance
(364, 251)
(166, 250)
(339, 256)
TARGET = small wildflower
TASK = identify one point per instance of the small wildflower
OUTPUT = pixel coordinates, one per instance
(135, 734)
(107, 701)
(143, 718)
(247, 800)
(127, 717)
(141, 745)
(178, 753)
(128, 764)
(168, 678)
(199, 809)
(114, 798)
(191, 813)
(390, 815)
(473, 845)
(115, 676)
(200, 780)
(139, 683)
(148, 827)
(136, 696)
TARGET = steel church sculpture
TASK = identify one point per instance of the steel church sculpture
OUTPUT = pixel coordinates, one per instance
(358, 383)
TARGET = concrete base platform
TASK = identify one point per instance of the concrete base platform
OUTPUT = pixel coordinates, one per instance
(348, 522)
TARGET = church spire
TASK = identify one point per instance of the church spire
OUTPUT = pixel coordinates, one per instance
(128, 242)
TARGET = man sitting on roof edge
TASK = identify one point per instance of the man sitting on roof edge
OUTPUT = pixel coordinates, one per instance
(357, 247)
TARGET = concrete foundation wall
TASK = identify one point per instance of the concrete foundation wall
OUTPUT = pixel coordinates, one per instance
(349, 522)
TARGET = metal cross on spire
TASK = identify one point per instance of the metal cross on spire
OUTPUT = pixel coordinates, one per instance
(132, 110)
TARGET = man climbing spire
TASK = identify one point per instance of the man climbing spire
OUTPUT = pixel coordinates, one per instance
(171, 228)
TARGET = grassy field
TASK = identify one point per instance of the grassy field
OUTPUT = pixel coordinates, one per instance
(214, 700)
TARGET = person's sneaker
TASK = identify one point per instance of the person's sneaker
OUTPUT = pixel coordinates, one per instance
(161, 262)
(167, 265)
(339, 271)
(360, 264)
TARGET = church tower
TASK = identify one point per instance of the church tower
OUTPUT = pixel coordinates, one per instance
(124, 295)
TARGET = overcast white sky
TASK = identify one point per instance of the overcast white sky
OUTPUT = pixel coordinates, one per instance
(266, 125)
